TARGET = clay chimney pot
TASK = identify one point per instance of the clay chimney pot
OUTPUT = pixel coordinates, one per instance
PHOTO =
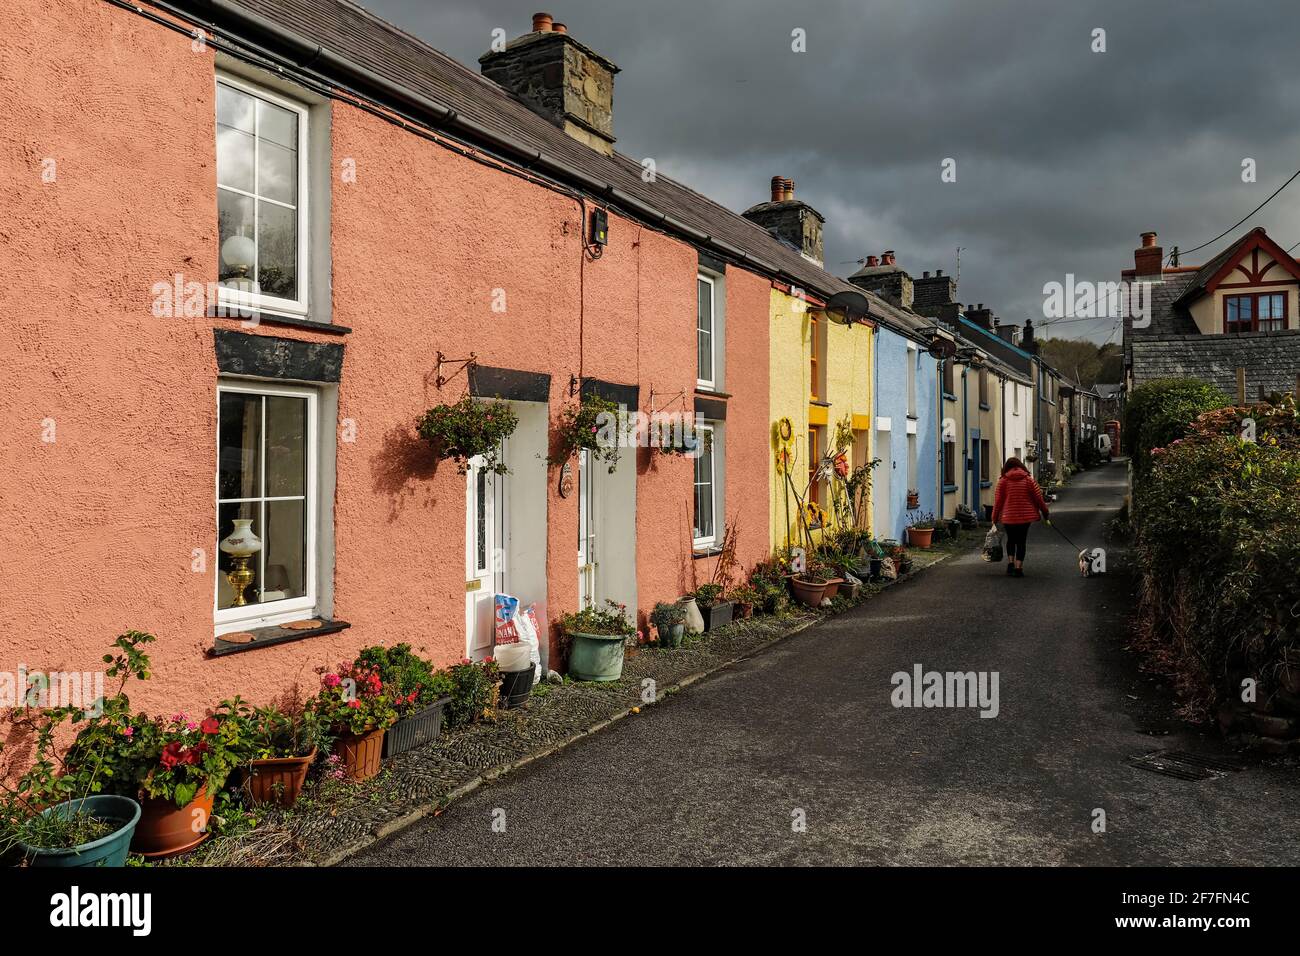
(542, 22)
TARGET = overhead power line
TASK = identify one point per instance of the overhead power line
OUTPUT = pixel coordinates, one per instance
(1183, 252)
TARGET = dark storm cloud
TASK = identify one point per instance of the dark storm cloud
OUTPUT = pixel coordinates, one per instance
(1063, 155)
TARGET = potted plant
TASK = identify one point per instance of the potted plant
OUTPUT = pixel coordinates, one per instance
(746, 598)
(590, 425)
(913, 499)
(810, 587)
(467, 429)
(419, 694)
(281, 746)
(475, 687)
(55, 811)
(177, 764)
(769, 579)
(358, 709)
(921, 531)
(715, 608)
(596, 638)
(670, 620)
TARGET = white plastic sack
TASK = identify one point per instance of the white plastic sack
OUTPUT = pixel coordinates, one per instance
(517, 636)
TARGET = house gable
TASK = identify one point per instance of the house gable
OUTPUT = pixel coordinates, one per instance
(1253, 265)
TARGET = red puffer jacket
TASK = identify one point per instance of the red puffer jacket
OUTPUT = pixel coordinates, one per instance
(1018, 499)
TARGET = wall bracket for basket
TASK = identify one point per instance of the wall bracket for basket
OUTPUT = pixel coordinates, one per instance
(461, 366)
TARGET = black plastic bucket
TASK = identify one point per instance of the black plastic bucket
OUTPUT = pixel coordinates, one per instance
(515, 687)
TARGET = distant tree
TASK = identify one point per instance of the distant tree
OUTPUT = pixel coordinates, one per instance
(1084, 361)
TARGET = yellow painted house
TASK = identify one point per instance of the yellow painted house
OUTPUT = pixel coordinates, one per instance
(821, 381)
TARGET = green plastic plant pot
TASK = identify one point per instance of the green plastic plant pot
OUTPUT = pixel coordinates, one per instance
(596, 656)
(106, 851)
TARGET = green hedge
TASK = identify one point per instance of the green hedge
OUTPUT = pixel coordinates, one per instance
(1218, 545)
(1159, 412)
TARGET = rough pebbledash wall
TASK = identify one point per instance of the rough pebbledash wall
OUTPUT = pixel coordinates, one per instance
(98, 529)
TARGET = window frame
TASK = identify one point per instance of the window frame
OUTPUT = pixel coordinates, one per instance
(814, 358)
(700, 381)
(949, 464)
(710, 540)
(259, 301)
(1235, 328)
(256, 614)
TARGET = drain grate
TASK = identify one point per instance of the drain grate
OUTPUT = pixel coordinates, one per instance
(1186, 766)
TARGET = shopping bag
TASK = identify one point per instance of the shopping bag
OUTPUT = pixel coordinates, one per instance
(992, 550)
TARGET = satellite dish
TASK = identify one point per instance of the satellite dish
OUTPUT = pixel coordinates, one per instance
(848, 307)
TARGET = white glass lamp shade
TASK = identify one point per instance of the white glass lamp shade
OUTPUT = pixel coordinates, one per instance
(241, 542)
(239, 252)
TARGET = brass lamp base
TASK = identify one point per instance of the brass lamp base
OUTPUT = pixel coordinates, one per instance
(240, 577)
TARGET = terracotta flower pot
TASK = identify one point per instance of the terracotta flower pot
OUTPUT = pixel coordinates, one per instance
(920, 537)
(808, 592)
(278, 780)
(166, 829)
(362, 754)
(832, 588)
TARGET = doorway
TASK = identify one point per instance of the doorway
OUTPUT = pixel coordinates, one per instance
(485, 522)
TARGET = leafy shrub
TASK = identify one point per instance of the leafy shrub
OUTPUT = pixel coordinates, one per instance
(1218, 542)
(472, 690)
(1159, 412)
(611, 619)
(667, 616)
(414, 682)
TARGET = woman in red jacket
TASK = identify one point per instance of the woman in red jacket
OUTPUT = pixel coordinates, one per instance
(1018, 503)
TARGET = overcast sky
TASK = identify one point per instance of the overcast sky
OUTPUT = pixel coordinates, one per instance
(1063, 156)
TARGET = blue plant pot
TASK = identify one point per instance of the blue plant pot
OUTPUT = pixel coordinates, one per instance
(106, 851)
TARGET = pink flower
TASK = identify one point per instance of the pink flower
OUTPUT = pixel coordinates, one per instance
(332, 680)
(354, 703)
(128, 732)
(191, 725)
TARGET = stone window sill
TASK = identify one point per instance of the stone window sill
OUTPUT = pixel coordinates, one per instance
(271, 636)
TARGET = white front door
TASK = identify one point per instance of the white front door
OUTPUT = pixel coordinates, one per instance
(882, 505)
(586, 531)
(484, 527)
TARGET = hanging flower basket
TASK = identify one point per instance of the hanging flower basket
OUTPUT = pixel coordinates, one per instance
(468, 429)
(592, 426)
(686, 440)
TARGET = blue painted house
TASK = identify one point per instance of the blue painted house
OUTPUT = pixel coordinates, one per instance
(906, 429)
(905, 436)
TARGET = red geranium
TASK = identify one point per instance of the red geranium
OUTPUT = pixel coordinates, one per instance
(210, 726)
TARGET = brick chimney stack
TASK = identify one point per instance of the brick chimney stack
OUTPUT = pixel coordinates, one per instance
(1148, 257)
(887, 279)
(1027, 340)
(932, 293)
(559, 78)
(981, 316)
(791, 220)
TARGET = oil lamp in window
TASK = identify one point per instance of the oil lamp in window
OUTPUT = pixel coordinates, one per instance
(241, 544)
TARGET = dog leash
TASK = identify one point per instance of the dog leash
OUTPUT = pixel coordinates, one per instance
(1048, 521)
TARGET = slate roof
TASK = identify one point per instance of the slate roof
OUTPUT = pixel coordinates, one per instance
(1271, 359)
(358, 37)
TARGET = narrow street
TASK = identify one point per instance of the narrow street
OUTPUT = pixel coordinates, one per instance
(717, 773)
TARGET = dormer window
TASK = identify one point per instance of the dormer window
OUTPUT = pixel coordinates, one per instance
(1255, 312)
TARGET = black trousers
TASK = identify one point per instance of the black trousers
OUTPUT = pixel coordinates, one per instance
(1017, 534)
